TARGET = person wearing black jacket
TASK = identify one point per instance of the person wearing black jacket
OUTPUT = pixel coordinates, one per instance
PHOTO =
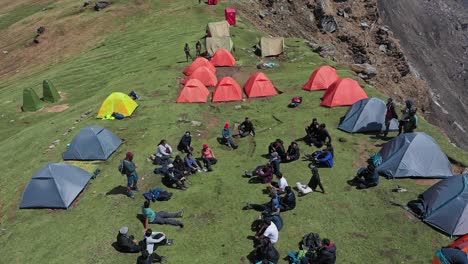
(185, 143)
(288, 201)
(293, 152)
(246, 128)
(277, 147)
(327, 253)
(127, 243)
(389, 115)
(176, 176)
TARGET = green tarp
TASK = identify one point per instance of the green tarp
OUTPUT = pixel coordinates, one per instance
(31, 101)
(49, 93)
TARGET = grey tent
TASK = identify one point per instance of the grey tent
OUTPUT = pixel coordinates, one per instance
(413, 155)
(55, 186)
(367, 115)
(445, 205)
(92, 143)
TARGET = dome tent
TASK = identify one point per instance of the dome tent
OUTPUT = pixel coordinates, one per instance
(204, 75)
(227, 90)
(119, 103)
(258, 85)
(199, 62)
(343, 92)
(321, 79)
(193, 92)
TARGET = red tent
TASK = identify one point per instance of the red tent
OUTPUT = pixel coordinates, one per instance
(258, 85)
(227, 90)
(193, 92)
(230, 14)
(200, 61)
(212, 2)
(321, 79)
(343, 92)
(223, 57)
(204, 75)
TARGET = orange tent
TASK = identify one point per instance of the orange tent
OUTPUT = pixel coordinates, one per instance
(343, 92)
(223, 57)
(258, 85)
(321, 79)
(204, 75)
(227, 90)
(200, 61)
(193, 92)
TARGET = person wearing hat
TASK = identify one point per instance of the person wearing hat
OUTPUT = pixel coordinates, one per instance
(176, 176)
(128, 168)
(389, 115)
(185, 143)
(246, 128)
(162, 218)
(226, 137)
(208, 157)
(127, 243)
(314, 182)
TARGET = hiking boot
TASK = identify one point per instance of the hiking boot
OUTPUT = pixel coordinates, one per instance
(181, 213)
(163, 259)
(210, 169)
(248, 206)
(169, 242)
(204, 170)
(181, 225)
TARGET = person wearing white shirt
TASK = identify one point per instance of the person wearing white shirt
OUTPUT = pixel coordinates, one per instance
(280, 186)
(163, 153)
(271, 232)
(152, 241)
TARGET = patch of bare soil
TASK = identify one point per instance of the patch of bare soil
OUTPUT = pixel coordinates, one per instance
(55, 108)
(359, 235)
(363, 152)
(410, 216)
(222, 72)
(211, 121)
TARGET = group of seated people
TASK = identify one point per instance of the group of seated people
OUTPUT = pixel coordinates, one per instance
(245, 129)
(293, 153)
(317, 134)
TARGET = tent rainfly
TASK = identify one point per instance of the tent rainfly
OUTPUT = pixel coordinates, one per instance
(216, 43)
(343, 92)
(199, 62)
(272, 46)
(227, 90)
(204, 75)
(258, 85)
(223, 57)
(321, 79)
(218, 29)
(119, 103)
(193, 92)
(31, 101)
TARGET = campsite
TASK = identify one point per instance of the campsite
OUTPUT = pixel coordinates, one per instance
(144, 52)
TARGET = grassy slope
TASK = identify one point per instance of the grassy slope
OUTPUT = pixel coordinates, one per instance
(143, 58)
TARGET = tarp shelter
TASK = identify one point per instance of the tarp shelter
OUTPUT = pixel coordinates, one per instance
(193, 92)
(31, 102)
(445, 205)
(272, 46)
(230, 14)
(343, 92)
(321, 79)
(55, 186)
(227, 90)
(49, 92)
(223, 57)
(367, 115)
(218, 29)
(204, 75)
(258, 85)
(413, 155)
(215, 44)
(119, 103)
(199, 62)
(92, 143)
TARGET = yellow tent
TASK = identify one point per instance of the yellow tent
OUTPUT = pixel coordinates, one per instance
(119, 103)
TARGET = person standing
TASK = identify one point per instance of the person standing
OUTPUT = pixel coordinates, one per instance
(389, 115)
(128, 168)
(208, 157)
(187, 52)
(198, 47)
(406, 115)
(412, 122)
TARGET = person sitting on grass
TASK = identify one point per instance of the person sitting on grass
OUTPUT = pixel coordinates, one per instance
(246, 128)
(271, 232)
(180, 166)
(208, 157)
(185, 143)
(226, 137)
(272, 207)
(330, 149)
(263, 172)
(279, 186)
(277, 147)
(327, 253)
(275, 161)
(312, 129)
(265, 251)
(163, 153)
(161, 218)
(147, 258)
(366, 177)
(293, 152)
(127, 243)
(288, 201)
(323, 159)
(151, 241)
(192, 164)
(128, 168)
(176, 176)
(314, 182)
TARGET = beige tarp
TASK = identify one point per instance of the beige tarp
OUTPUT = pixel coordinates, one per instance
(272, 46)
(218, 29)
(214, 44)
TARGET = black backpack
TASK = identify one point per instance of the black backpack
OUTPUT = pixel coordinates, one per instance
(312, 241)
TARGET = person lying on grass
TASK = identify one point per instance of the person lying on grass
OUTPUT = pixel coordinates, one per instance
(151, 241)
(263, 172)
(161, 218)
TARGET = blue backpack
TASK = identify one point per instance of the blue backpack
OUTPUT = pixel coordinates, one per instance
(157, 194)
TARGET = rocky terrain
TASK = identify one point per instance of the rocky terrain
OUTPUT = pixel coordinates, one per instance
(365, 35)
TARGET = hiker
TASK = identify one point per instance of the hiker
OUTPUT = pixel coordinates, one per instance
(128, 168)
(208, 157)
(187, 52)
(271, 232)
(180, 166)
(314, 182)
(272, 207)
(192, 164)
(265, 251)
(279, 186)
(366, 177)
(312, 129)
(278, 147)
(150, 243)
(327, 253)
(198, 48)
(275, 161)
(185, 143)
(389, 115)
(146, 258)
(293, 152)
(127, 243)
(163, 153)
(406, 115)
(323, 159)
(288, 201)
(263, 172)
(161, 218)
(246, 128)
(412, 123)
(226, 137)
(323, 136)
(176, 176)
(330, 149)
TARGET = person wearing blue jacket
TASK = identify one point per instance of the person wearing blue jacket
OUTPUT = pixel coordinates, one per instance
(367, 177)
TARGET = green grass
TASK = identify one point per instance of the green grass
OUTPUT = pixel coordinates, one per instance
(19, 13)
(144, 57)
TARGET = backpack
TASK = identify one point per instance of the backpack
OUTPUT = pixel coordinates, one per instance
(122, 169)
(312, 241)
(295, 102)
(157, 194)
(375, 160)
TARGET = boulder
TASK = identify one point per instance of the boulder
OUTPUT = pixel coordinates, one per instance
(365, 69)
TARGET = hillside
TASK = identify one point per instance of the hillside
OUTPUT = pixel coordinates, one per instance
(138, 45)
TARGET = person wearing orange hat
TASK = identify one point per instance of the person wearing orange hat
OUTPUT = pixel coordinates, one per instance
(226, 137)
(128, 168)
(208, 157)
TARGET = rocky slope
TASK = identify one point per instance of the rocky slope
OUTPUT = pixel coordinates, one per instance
(353, 32)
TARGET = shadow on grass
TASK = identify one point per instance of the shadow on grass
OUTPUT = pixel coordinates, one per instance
(118, 190)
(142, 218)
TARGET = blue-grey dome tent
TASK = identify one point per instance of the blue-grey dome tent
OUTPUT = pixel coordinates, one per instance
(367, 115)
(92, 143)
(55, 186)
(445, 205)
(413, 155)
